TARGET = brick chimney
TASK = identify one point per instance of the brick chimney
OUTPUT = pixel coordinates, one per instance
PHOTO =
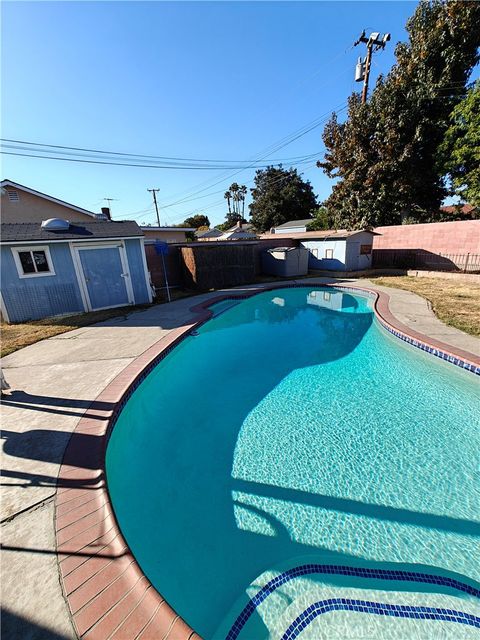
(106, 212)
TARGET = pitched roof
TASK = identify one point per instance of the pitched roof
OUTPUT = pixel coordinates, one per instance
(147, 227)
(246, 226)
(15, 185)
(466, 209)
(294, 223)
(209, 233)
(237, 234)
(32, 232)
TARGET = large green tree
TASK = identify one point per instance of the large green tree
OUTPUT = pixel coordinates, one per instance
(280, 195)
(197, 221)
(460, 150)
(385, 155)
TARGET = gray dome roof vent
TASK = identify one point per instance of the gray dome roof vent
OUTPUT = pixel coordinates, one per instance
(56, 224)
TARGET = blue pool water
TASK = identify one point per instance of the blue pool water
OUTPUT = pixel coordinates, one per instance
(293, 429)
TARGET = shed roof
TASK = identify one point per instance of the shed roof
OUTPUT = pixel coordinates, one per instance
(32, 231)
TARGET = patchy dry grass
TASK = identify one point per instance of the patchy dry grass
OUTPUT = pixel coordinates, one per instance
(17, 336)
(456, 303)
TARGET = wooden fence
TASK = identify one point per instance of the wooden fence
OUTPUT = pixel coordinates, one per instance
(217, 265)
(210, 265)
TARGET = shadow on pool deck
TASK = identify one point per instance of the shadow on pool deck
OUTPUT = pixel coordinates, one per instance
(23, 400)
(16, 627)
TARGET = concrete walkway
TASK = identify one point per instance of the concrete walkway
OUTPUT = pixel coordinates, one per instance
(53, 383)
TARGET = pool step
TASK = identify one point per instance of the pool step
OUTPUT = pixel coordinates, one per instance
(343, 602)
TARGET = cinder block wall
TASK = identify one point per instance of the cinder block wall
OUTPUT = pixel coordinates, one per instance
(460, 237)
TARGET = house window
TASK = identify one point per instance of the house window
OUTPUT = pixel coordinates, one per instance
(33, 261)
(365, 249)
(314, 253)
(328, 254)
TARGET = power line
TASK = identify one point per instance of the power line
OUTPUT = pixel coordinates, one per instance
(218, 202)
(130, 164)
(89, 154)
(189, 199)
(282, 143)
(215, 203)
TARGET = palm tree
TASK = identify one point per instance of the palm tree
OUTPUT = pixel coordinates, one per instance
(228, 196)
(234, 189)
(243, 192)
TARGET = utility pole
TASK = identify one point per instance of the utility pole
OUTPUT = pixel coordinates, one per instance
(362, 71)
(154, 191)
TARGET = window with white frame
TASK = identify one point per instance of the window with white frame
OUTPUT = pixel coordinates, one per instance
(33, 261)
(328, 254)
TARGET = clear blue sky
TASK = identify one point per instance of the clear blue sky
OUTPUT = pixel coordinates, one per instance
(199, 80)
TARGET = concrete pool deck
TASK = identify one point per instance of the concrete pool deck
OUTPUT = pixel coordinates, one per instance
(53, 383)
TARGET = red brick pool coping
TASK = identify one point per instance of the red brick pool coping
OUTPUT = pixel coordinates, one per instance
(107, 593)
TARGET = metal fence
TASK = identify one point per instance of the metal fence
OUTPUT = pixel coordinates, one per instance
(425, 260)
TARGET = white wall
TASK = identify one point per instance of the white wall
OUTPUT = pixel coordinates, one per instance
(355, 261)
(318, 248)
(291, 230)
(346, 253)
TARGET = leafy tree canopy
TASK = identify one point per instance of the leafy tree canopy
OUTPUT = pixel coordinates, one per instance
(280, 195)
(385, 154)
(197, 221)
(460, 150)
(231, 221)
(322, 220)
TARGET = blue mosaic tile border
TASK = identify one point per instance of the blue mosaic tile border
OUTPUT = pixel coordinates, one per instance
(468, 366)
(361, 572)
(435, 352)
(379, 609)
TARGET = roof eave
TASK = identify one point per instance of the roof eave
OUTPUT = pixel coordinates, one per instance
(57, 240)
(21, 187)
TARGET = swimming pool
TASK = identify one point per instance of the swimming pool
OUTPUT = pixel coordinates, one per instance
(293, 431)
